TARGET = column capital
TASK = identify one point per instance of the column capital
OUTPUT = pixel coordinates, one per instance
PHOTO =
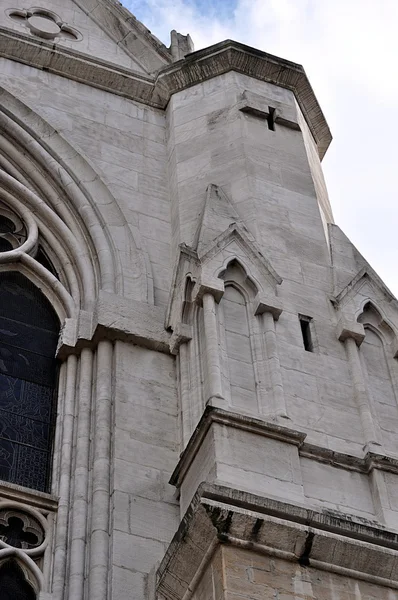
(271, 304)
(347, 328)
(215, 287)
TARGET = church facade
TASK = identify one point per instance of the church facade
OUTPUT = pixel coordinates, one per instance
(198, 370)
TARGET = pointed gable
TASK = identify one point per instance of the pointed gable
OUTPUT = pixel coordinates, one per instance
(130, 35)
(220, 239)
(217, 215)
(103, 30)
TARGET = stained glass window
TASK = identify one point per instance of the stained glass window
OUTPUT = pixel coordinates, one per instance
(29, 331)
(13, 584)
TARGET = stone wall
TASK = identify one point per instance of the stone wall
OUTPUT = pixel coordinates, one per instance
(235, 574)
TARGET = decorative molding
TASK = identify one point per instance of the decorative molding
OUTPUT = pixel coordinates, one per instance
(233, 56)
(350, 329)
(365, 274)
(263, 304)
(327, 540)
(217, 215)
(27, 497)
(370, 461)
(217, 415)
(181, 335)
(192, 70)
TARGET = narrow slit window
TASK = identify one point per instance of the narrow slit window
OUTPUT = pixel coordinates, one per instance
(271, 118)
(305, 324)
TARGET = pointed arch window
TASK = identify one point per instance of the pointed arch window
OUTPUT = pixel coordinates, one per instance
(29, 329)
(239, 368)
(13, 584)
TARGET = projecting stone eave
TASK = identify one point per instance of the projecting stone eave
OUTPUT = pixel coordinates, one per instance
(234, 56)
(330, 541)
(192, 70)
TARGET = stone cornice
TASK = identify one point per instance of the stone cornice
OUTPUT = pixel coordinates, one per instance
(340, 460)
(326, 540)
(216, 415)
(115, 318)
(195, 68)
(233, 56)
(79, 67)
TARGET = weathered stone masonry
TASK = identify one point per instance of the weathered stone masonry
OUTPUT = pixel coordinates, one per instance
(227, 409)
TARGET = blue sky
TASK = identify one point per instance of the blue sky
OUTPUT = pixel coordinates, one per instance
(348, 49)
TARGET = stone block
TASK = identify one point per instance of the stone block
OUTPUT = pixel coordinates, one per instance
(350, 329)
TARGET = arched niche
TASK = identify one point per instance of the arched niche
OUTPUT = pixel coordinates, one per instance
(13, 583)
(29, 330)
(75, 210)
(378, 369)
(237, 338)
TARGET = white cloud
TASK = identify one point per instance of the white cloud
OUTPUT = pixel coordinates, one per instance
(348, 49)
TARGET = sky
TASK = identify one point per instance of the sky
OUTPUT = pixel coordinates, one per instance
(349, 50)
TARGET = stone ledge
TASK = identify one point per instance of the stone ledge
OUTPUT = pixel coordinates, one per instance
(18, 493)
(116, 318)
(258, 426)
(79, 67)
(217, 415)
(329, 541)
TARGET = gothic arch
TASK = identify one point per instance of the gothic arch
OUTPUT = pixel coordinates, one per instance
(63, 189)
(239, 332)
(13, 582)
(372, 319)
(28, 570)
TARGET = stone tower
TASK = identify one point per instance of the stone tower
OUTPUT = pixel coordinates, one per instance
(198, 370)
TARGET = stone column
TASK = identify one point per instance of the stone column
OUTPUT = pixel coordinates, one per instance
(214, 386)
(80, 494)
(270, 311)
(100, 518)
(66, 446)
(179, 341)
(353, 334)
(208, 294)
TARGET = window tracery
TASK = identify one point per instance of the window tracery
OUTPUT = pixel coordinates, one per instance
(44, 23)
(13, 584)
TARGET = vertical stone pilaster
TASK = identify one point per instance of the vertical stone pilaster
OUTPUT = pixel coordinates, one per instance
(269, 312)
(80, 492)
(100, 518)
(66, 446)
(353, 334)
(214, 386)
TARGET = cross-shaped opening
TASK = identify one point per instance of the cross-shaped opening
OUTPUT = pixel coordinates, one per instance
(271, 118)
(14, 534)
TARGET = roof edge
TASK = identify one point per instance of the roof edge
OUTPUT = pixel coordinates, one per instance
(156, 90)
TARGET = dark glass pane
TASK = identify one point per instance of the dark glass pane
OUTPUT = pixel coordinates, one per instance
(20, 363)
(28, 338)
(6, 225)
(5, 245)
(13, 585)
(24, 430)
(43, 259)
(26, 398)
(24, 465)
(20, 300)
